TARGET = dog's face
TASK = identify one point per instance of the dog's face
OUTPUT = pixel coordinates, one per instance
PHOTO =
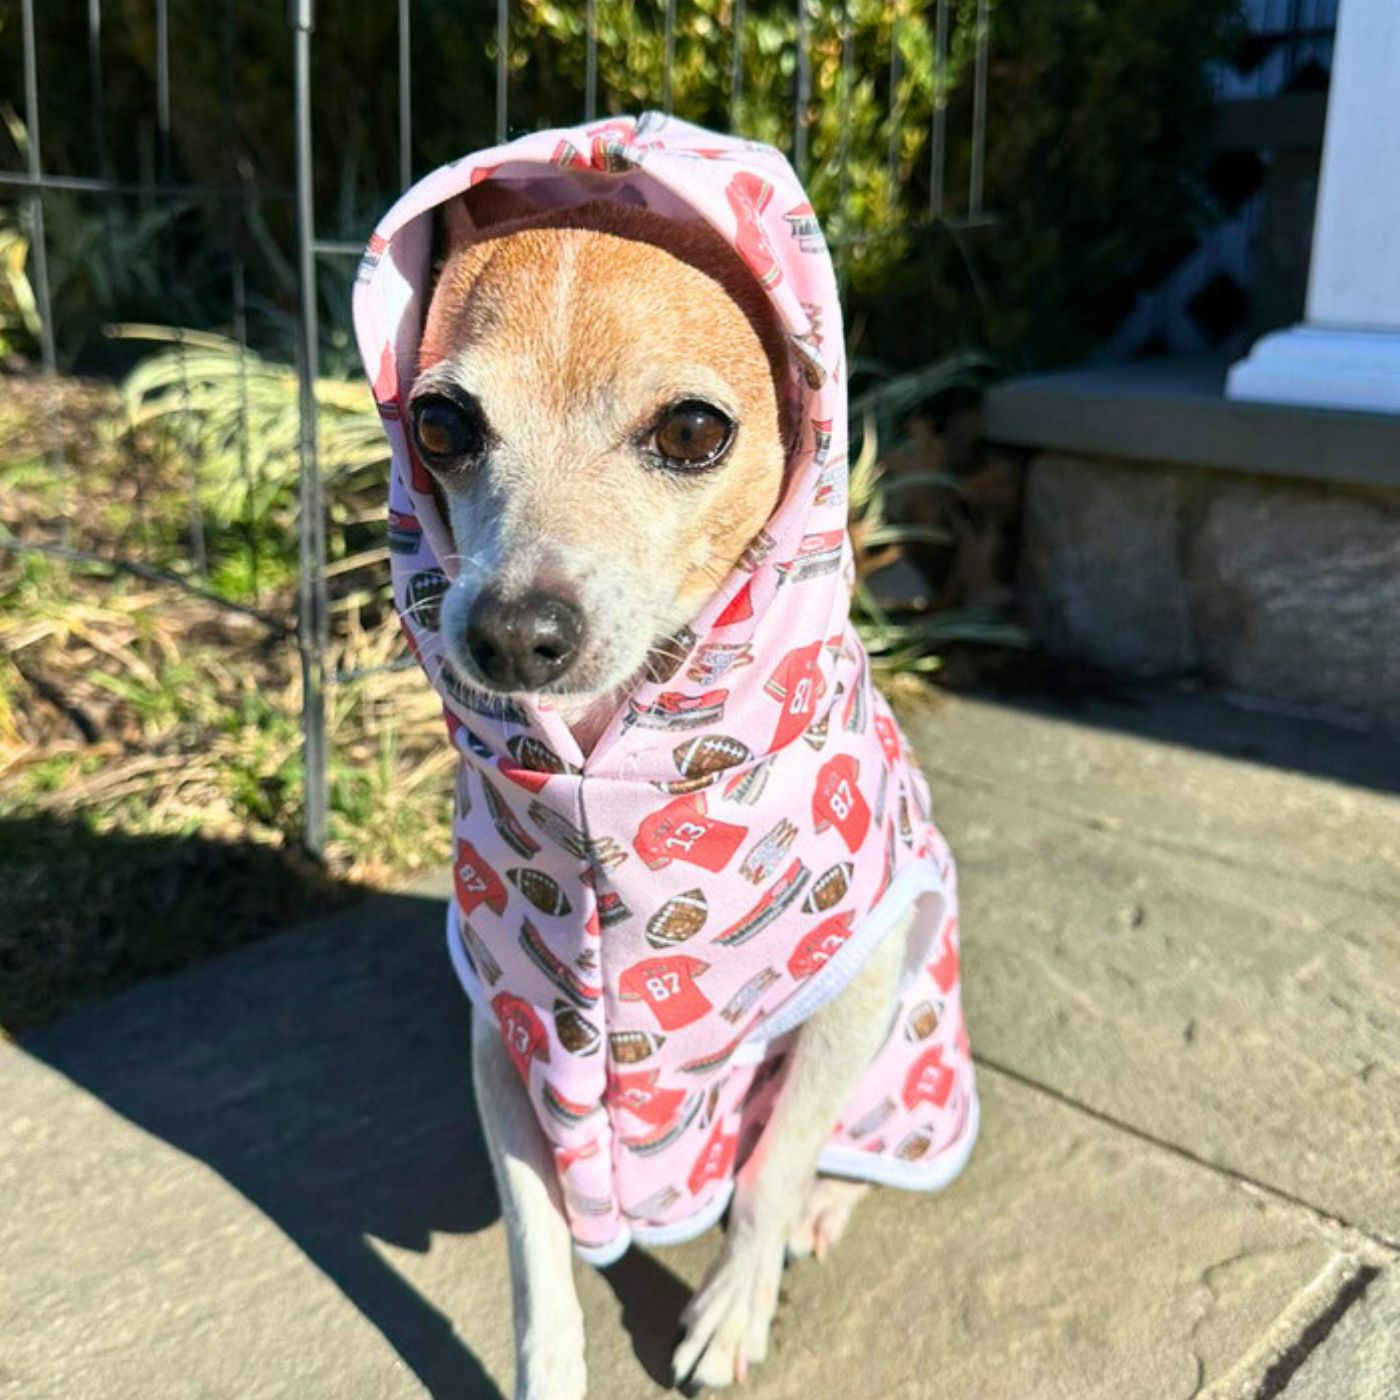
(601, 418)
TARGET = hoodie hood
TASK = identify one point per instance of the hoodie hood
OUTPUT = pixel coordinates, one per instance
(748, 192)
(649, 921)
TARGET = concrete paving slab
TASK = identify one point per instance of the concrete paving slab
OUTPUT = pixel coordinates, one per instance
(1195, 945)
(1070, 1263)
(263, 1178)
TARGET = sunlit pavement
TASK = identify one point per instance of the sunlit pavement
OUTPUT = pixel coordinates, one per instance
(1182, 968)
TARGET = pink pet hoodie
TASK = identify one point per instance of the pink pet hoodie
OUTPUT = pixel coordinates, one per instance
(649, 923)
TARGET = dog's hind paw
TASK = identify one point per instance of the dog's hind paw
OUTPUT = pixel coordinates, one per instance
(727, 1321)
(825, 1213)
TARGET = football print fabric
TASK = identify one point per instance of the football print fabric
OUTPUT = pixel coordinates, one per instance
(648, 924)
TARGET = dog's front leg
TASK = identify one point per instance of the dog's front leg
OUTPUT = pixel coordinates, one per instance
(549, 1362)
(728, 1319)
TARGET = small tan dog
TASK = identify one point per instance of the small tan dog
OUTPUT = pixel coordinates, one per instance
(578, 344)
(705, 919)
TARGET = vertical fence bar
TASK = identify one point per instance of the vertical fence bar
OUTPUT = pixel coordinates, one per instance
(977, 173)
(199, 553)
(668, 80)
(245, 465)
(938, 136)
(590, 62)
(228, 125)
(34, 204)
(199, 557)
(99, 105)
(405, 100)
(736, 68)
(804, 90)
(38, 238)
(238, 286)
(311, 599)
(502, 44)
(163, 89)
(1294, 52)
(97, 97)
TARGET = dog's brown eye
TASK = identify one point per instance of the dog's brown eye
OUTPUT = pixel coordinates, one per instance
(447, 431)
(691, 434)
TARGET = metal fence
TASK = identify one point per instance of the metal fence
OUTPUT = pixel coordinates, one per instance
(36, 182)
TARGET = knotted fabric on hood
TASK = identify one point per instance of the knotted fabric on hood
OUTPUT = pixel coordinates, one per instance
(649, 923)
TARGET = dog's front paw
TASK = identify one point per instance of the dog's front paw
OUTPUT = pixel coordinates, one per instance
(551, 1369)
(726, 1322)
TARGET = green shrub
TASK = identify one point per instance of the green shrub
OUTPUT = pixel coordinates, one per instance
(1096, 114)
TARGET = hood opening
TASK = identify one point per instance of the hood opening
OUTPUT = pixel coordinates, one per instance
(497, 208)
(714, 201)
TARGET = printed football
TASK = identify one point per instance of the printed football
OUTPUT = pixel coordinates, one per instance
(423, 600)
(866, 1125)
(632, 1047)
(540, 889)
(681, 917)
(711, 1106)
(576, 1034)
(711, 753)
(668, 658)
(830, 888)
(922, 1022)
(679, 787)
(913, 1147)
(532, 754)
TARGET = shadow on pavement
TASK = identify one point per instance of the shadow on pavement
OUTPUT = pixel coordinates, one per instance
(325, 1075)
(85, 913)
(1214, 723)
(652, 1299)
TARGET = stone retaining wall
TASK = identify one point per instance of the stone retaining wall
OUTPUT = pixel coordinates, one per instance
(1272, 588)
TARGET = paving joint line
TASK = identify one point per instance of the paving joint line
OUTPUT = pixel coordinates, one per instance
(1279, 1376)
(1390, 1247)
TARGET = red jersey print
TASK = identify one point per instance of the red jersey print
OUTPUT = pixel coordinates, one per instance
(715, 1160)
(476, 882)
(522, 1032)
(816, 949)
(749, 195)
(386, 382)
(667, 985)
(945, 968)
(636, 1091)
(740, 607)
(796, 682)
(888, 736)
(682, 830)
(928, 1080)
(565, 1157)
(838, 801)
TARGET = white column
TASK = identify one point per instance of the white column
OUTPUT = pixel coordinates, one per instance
(1347, 353)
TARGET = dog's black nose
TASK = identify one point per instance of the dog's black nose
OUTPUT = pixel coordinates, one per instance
(522, 643)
